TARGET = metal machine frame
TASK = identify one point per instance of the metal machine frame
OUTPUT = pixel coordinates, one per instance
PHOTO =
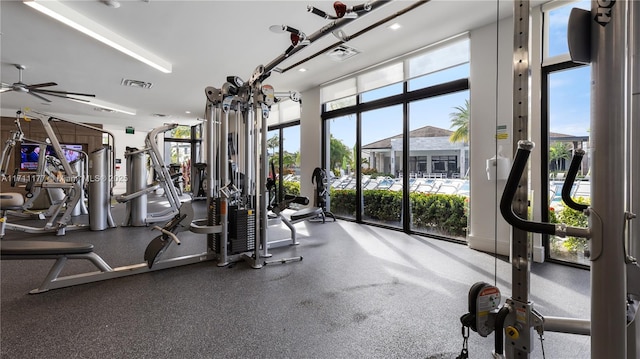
(615, 274)
(136, 198)
(61, 211)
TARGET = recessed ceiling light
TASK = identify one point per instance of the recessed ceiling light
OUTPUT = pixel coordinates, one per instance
(187, 112)
(394, 26)
(302, 69)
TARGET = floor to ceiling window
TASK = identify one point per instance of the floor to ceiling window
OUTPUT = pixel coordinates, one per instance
(380, 177)
(381, 164)
(283, 148)
(181, 150)
(440, 175)
(341, 132)
(566, 120)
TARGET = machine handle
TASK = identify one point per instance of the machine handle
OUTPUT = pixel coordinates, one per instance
(506, 209)
(168, 233)
(571, 178)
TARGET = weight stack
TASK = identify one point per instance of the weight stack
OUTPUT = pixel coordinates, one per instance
(241, 227)
(242, 230)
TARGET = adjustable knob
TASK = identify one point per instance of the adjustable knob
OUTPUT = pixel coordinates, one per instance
(512, 332)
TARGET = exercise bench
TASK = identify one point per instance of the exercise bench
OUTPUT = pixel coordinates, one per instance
(60, 251)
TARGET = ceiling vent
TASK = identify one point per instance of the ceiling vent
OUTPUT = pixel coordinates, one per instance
(136, 83)
(342, 52)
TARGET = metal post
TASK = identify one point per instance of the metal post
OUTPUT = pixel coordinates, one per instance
(223, 148)
(633, 331)
(261, 161)
(136, 182)
(608, 274)
(634, 150)
(98, 190)
(211, 169)
(78, 166)
(520, 306)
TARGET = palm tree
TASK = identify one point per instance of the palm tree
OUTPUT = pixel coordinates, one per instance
(273, 143)
(460, 121)
(557, 152)
(339, 153)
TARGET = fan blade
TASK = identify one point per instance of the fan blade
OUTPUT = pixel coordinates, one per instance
(6, 88)
(38, 96)
(46, 84)
(65, 93)
(57, 95)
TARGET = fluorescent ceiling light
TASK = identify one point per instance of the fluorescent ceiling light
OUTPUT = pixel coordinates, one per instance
(89, 27)
(106, 106)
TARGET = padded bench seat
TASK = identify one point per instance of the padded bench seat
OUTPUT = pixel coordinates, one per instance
(43, 248)
(306, 213)
(11, 201)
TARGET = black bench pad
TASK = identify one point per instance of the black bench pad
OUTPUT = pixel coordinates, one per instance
(35, 248)
(306, 213)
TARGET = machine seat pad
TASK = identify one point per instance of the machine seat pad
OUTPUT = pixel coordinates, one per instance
(304, 213)
(11, 201)
(38, 248)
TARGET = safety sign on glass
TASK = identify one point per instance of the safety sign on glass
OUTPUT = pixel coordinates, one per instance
(501, 132)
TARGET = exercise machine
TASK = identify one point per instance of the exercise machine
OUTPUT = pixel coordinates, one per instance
(236, 223)
(61, 252)
(277, 206)
(137, 189)
(62, 181)
(321, 181)
(249, 103)
(615, 274)
(40, 202)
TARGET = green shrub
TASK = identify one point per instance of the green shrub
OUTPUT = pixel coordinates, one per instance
(574, 218)
(442, 213)
(343, 202)
(291, 187)
(382, 205)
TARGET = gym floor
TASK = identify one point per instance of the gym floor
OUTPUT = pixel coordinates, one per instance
(360, 292)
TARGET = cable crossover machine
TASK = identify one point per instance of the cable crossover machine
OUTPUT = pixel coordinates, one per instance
(600, 37)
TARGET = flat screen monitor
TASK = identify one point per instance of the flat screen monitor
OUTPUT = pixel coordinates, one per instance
(30, 153)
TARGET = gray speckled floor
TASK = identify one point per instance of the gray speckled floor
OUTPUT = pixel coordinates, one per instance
(360, 292)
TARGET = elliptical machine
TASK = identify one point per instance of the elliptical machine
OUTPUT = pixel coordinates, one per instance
(319, 178)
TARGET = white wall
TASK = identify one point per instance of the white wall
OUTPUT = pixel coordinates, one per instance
(310, 141)
(490, 97)
(123, 140)
(488, 231)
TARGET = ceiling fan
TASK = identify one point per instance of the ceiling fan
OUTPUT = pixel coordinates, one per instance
(37, 89)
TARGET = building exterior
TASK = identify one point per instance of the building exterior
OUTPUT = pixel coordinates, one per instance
(432, 154)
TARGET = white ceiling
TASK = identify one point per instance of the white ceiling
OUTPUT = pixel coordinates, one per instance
(205, 41)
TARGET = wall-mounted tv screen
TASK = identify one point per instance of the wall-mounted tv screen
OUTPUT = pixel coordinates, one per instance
(30, 153)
